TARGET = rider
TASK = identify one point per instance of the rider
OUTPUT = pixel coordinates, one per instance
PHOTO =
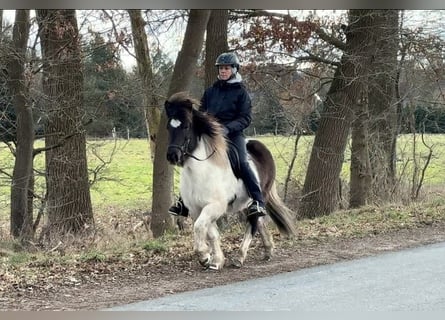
(227, 100)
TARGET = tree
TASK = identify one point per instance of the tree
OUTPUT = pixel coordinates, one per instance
(215, 44)
(321, 190)
(102, 78)
(182, 74)
(150, 101)
(383, 126)
(69, 202)
(393, 81)
(8, 119)
(21, 216)
(109, 94)
(375, 125)
(7, 114)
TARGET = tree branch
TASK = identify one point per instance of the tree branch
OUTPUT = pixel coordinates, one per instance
(318, 30)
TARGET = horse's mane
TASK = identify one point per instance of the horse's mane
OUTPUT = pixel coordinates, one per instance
(205, 125)
(183, 97)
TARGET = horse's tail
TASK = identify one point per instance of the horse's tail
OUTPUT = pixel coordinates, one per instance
(281, 215)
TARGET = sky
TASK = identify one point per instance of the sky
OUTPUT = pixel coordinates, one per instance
(170, 43)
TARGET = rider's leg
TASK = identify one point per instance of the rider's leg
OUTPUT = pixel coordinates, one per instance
(257, 206)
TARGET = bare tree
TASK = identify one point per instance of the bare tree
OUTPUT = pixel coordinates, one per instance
(21, 215)
(375, 126)
(149, 99)
(182, 75)
(321, 191)
(69, 203)
(382, 100)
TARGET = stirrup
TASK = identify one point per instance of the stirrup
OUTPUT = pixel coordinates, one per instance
(255, 208)
(178, 209)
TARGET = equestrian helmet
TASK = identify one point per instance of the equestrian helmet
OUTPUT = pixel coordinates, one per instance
(227, 58)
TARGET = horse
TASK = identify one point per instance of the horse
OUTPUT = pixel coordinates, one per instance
(210, 187)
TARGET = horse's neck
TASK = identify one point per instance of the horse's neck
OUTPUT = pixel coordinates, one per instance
(202, 181)
(206, 160)
(202, 150)
(208, 152)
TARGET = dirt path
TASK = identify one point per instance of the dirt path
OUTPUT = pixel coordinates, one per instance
(105, 285)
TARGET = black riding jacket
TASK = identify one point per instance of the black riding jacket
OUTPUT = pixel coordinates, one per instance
(230, 104)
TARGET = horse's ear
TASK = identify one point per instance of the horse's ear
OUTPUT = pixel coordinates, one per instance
(167, 108)
(189, 104)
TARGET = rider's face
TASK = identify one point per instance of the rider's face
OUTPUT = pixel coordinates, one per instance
(225, 72)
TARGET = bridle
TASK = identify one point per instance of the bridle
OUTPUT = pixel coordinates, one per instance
(184, 147)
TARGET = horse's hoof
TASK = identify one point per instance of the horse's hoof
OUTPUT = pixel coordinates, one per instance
(237, 263)
(205, 263)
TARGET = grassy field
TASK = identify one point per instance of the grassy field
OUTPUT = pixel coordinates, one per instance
(126, 178)
(125, 181)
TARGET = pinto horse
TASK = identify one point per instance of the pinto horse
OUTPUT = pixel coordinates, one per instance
(210, 187)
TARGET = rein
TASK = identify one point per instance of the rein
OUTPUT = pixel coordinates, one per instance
(184, 152)
(196, 158)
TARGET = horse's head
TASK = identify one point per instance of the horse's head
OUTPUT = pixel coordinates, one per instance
(182, 139)
(187, 126)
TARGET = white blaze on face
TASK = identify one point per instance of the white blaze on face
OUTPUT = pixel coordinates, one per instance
(175, 123)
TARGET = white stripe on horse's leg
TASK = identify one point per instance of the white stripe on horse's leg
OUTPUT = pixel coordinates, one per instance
(266, 237)
(245, 244)
(201, 247)
(209, 214)
(214, 242)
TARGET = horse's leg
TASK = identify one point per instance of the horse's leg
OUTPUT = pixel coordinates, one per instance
(266, 237)
(213, 237)
(245, 244)
(209, 214)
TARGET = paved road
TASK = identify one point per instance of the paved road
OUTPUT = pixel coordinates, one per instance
(412, 279)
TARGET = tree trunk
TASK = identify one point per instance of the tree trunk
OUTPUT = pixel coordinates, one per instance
(182, 75)
(69, 202)
(360, 172)
(216, 43)
(382, 101)
(321, 186)
(21, 215)
(1, 25)
(152, 111)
